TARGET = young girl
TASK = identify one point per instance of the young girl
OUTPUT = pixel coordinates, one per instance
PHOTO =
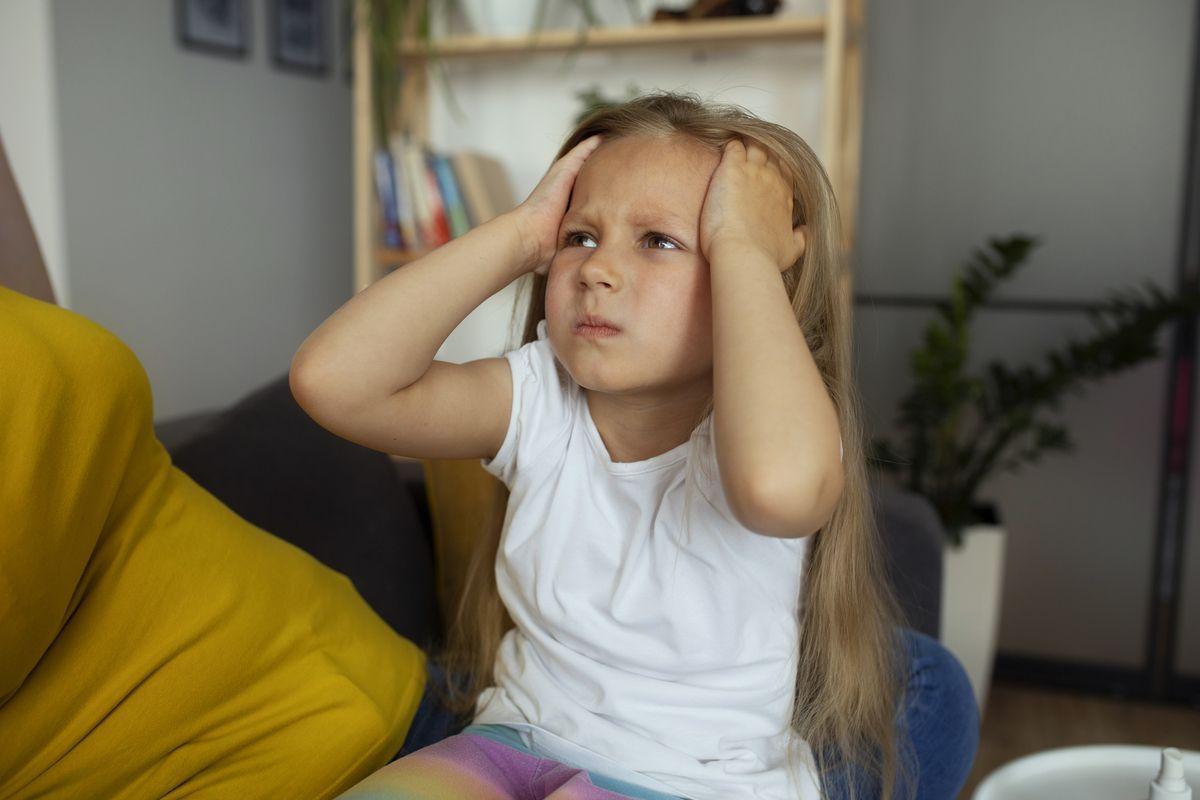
(685, 597)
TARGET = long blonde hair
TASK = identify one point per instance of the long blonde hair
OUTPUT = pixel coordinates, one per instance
(851, 671)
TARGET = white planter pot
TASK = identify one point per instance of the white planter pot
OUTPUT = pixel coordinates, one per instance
(516, 17)
(972, 578)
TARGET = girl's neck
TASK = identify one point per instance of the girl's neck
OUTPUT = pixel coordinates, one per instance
(637, 427)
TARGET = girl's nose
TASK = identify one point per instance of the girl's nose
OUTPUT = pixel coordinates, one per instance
(599, 270)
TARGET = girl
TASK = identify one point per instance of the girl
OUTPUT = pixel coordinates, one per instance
(683, 596)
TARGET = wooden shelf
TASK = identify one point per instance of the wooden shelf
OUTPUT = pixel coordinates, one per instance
(732, 30)
(452, 484)
(839, 29)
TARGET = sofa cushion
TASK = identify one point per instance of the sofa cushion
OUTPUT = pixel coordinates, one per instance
(275, 467)
(152, 642)
(913, 544)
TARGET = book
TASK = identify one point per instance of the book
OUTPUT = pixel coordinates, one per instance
(405, 203)
(484, 185)
(385, 182)
(437, 205)
(427, 197)
(448, 184)
(413, 162)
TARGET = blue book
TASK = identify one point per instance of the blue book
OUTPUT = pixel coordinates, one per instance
(385, 187)
(448, 184)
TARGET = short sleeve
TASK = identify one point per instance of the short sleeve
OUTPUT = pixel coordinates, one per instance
(541, 407)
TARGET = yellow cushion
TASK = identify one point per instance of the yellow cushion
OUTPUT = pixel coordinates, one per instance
(461, 494)
(153, 643)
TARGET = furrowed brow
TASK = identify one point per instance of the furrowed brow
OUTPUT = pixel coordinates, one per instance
(643, 218)
(657, 218)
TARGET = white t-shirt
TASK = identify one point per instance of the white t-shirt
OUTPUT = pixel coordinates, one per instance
(658, 656)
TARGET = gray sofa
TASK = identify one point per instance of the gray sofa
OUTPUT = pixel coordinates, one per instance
(365, 515)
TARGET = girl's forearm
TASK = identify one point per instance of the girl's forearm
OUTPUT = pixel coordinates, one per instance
(776, 431)
(384, 338)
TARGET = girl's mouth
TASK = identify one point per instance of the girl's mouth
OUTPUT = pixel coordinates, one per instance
(596, 331)
(594, 326)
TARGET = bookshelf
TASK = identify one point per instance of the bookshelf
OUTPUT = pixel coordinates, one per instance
(839, 28)
(456, 490)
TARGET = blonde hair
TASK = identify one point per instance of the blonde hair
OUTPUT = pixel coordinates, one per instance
(851, 672)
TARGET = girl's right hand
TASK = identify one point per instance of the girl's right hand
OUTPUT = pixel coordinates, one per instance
(540, 216)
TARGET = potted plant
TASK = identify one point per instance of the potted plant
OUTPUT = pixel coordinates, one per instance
(957, 430)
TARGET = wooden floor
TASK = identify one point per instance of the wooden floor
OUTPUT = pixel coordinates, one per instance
(1019, 720)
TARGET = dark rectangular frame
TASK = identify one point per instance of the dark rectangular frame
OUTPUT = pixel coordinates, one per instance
(322, 11)
(345, 14)
(187, 40)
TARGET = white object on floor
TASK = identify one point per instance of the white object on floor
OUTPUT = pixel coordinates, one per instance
(1170, 785)
(1094, 772)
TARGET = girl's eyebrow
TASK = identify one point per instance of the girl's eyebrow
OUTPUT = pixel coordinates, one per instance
(640, 217)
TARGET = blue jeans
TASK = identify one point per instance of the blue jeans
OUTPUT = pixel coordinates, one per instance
(940, 714)
(942, 719)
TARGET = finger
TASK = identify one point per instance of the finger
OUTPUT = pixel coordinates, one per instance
(756, 153)
(589, 144)
(572, 162)
(579, 152)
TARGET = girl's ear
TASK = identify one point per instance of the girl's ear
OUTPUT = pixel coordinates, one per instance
(800, 240)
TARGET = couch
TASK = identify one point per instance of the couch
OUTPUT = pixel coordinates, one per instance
(233, 604)
(229, 604)
(367, 515)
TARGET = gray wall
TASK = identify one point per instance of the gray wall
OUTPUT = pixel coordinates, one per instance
(207, 200)
(29, 127)
(1066, 120)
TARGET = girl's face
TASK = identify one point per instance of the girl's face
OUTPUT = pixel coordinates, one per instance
(628, 251)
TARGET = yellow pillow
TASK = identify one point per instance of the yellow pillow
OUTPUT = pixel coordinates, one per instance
(152, 642)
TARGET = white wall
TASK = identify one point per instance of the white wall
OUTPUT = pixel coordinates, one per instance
(29, 127)
(208, 210)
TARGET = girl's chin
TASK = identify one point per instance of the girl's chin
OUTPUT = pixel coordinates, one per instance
(590, 376)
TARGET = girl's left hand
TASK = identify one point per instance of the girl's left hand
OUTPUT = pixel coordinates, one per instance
(749, 206)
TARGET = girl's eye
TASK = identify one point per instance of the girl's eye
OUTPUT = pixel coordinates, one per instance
(569, 238)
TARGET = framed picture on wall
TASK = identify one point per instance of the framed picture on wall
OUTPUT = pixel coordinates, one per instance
(347, 19)
(300, 36)
(221, 27)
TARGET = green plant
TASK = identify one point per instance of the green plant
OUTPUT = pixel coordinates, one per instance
(960, 429)
(593, 99)
(387, 21)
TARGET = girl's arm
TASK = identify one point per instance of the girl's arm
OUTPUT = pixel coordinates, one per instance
(367, 373)
(775, 427)
(776, 431)
(385, 337)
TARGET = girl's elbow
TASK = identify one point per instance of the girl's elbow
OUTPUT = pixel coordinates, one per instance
(790, 512)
